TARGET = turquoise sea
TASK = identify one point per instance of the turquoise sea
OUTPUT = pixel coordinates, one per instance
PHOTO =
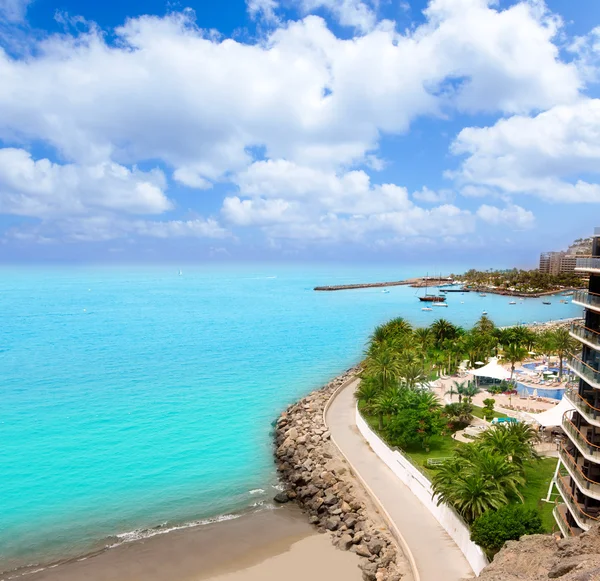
(133, 398)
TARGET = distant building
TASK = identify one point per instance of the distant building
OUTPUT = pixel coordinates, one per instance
(560, 262)
(557, 262)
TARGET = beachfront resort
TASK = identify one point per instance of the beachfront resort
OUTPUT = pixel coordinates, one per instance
(578, 475)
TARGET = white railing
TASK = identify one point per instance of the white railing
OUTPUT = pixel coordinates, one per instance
(420, 486)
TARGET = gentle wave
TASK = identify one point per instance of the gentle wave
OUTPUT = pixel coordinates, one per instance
(139, 534)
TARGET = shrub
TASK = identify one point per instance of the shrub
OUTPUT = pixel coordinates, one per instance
(491, 530)
(488, 410)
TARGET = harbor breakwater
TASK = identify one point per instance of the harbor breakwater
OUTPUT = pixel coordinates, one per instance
(319, 480)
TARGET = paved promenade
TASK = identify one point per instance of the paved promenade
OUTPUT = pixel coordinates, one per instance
(436, 555)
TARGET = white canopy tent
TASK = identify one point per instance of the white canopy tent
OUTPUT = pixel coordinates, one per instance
(493, 370)
(553, 417)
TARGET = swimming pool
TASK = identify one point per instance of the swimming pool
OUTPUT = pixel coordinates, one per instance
(532, 366)
(552, 393)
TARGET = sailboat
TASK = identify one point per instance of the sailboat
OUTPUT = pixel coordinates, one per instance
(180, 273)
(427, 298)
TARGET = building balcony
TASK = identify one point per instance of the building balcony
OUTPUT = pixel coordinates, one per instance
(588, 373)
(585, 518)
(587, 486)
(587, 300)
(588, 449)
(588, 265)
(584, 407)
(588, 336)
(560, 513)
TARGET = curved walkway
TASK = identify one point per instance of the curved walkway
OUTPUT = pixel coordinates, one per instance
(436, 555)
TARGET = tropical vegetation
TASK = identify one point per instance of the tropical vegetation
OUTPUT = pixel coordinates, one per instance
(475, 478)
(519, 281)
(509, 523)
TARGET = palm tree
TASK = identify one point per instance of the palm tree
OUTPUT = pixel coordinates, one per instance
(426, 400)
(484, 325)
(491, 465)
(459, 388)
(399, 327)
(412, 373)
(453, 391)
(423, 338)
(562, 344)
(458, 484)
(379, 334)
(386, 403)
(443, 329)
(383, 364)
(514, 442)
(513, 353)
(458, 414)
(367, 392)
(472, 495)
(469, 391)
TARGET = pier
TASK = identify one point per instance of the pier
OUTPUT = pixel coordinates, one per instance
(363, 285)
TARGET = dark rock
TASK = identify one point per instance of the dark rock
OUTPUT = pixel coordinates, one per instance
(281, 497)
(331, 499)
(332, 523)
(375, 546)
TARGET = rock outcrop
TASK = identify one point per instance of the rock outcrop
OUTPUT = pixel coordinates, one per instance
(318, 479)
(543, 557)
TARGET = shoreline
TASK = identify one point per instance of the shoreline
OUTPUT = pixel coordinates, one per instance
(306, 404)
(259, 545)
(318, 479)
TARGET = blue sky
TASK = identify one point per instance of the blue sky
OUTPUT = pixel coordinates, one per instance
(465, 131)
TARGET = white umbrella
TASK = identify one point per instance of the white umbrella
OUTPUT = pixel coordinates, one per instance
(541, 367)
(535, 393)
(531, 353)
(478, 362)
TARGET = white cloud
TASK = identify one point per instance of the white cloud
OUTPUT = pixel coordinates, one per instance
(263, 8)
(512, 216)
(313, 105)
(541, 155)
(101, 228)
(13, 10)
(301, 203)
(166, 90)
(431, 197)
(354, 13)
(587, 54)
(43, 189)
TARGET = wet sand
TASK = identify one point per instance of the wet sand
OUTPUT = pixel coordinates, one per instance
(272, 544)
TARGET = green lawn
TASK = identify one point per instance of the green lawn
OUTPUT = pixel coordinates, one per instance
(478, 412)
(538, 476)
(439, 447)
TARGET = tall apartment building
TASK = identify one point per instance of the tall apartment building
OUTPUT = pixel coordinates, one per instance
(578, 479)
(557, 262)
(565, 261)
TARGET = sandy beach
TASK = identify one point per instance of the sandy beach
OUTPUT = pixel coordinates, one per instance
(271, 544)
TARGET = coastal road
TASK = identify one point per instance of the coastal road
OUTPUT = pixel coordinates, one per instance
(436, 555)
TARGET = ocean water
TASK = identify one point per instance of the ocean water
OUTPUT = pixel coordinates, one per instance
(132, 398)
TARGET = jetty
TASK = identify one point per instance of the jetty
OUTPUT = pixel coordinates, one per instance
(364, 285)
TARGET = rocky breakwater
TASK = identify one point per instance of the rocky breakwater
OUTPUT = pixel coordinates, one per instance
(318, 479)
